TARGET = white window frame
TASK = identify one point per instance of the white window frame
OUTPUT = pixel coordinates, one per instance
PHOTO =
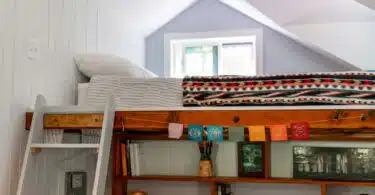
(171, 37)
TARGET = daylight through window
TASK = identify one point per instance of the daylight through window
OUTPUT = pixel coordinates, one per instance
(213, 56)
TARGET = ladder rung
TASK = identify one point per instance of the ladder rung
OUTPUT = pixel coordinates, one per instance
(64, 146)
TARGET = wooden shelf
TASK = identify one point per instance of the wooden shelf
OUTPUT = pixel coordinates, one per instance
(168, 178)
(259, 180)
(244, 180)
(291, 181)
(348, 183)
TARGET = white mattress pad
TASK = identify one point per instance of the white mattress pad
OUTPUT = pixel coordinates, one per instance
(135, 92)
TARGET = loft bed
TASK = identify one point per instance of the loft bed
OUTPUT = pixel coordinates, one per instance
(338, 105)
(150, 104)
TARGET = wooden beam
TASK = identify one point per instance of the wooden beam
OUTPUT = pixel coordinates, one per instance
(156, 120)
(73, 121)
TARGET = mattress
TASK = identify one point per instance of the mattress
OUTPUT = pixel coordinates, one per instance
(332, 88)
(135, 92)
(346, 88)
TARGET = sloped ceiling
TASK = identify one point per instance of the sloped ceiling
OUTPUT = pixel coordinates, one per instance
(292, 12)
(248, 9)
(145, 16)
(327, 23)
(368, 3)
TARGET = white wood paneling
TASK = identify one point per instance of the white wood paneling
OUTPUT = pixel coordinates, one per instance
(182, 158)
(59, 28)
(50, 165)
(275, 189)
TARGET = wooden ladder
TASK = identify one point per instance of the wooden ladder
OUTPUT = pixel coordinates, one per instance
(42, 172)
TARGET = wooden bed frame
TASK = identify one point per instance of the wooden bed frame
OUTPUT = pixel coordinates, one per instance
(335, 125)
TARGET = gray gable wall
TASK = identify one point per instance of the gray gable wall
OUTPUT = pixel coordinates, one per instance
(280, 53)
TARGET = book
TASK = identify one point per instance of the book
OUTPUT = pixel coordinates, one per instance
(136, 160)
(130, 158)
(123, 159)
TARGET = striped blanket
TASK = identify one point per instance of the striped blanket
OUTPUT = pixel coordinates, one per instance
(335, 88)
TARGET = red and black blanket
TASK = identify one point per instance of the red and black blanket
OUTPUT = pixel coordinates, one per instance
(335, 88)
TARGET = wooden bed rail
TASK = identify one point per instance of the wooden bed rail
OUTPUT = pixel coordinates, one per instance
(325, 124)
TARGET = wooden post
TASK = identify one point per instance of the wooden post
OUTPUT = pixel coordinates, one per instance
(118, 187)
(323, 189)
(267, 157)
(213, 188)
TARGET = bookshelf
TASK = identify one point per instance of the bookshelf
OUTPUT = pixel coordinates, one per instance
(334, 130)
(120, 181)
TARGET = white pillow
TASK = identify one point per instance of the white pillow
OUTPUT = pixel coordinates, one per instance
(91, 64)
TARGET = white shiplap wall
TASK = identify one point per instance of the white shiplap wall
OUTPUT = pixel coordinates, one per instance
(60, 28)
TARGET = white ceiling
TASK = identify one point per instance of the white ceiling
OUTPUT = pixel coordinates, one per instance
(161, 12)
(145, 16)
(291, 12)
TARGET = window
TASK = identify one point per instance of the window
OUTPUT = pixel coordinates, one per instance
(225, 55)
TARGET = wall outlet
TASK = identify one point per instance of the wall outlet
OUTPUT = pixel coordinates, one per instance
(33, 49)
(76, 183)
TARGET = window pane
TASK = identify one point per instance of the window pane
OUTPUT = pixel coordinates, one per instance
(198, 61)
(237, 59)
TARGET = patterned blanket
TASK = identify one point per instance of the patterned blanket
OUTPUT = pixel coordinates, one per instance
(336, 88)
